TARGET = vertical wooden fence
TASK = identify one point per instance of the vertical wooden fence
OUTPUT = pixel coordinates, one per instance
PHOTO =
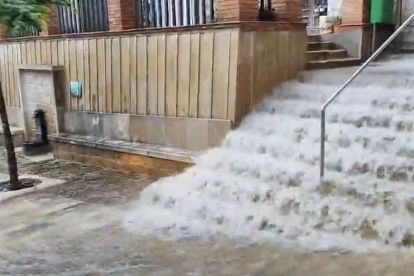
(170, 13)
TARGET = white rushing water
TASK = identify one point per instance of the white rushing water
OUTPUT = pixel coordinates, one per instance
(262, 184)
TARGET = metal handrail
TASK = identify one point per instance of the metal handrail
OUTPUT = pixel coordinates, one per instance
(345, 85)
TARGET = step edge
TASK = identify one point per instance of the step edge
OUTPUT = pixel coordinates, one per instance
(150, 150)
(327, 51)
(324, 61)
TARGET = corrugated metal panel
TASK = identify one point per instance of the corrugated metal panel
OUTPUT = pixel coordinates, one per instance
(169, 13)
(84, 16)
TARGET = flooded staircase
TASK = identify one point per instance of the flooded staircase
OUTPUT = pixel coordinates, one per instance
(325, 54)
(262, 184)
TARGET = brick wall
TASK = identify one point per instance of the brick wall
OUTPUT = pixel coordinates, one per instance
(121, 14)
(288, 10)
(355, 12)
(3, 31)
(237, 10)
(52, 28)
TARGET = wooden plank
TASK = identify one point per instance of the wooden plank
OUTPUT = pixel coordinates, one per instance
(7, 75)
(87, 103)
(108, 74)
(253, 72)
(54, 52)
(152, 75)
(194, 74)
(3, 72)
(184, 54)
(80, 69)
(142, 74)
(171, 75)
(234, 51)
(38, 52)
(43, 51)
(116, 78)
(18, 61)
(23, 49)
(61, 47)
(32, 53)
(61, 53)
(125, 76)
(68, 98)
(48, 59)
(73, 71)
(16, 54)
(221, 61)
(133, 75)
(11, 74)
(161, 74)
(101, 75)
(93, 74)
(206, 75)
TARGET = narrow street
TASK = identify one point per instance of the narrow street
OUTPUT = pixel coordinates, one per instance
(76, 229)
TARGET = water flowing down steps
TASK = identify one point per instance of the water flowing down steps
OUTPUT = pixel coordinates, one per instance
(262, 184)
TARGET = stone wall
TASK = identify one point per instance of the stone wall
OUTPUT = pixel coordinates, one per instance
(185, 133)
(407, 36)
(39, 90)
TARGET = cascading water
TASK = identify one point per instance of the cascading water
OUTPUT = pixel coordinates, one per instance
(262, 184)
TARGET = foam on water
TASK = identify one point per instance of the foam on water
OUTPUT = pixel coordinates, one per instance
(262, 184)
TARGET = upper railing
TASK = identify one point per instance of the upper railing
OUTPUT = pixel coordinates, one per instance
(172, 13)
(345, 85)
(83, 16)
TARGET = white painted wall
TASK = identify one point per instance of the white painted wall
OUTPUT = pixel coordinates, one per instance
(334, 7)
(408, 33)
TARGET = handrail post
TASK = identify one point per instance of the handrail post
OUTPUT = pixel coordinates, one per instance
(336, 94)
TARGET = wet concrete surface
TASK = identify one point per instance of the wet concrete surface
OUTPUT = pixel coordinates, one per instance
(76, 229)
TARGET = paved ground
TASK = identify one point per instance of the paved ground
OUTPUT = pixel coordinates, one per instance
(76, 229)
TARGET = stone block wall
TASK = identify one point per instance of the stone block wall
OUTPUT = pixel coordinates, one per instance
(38, 91)
(185, 133)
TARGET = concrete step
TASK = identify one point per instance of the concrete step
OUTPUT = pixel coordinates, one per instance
(359, 115)
(282, 130)
(325, 206)
(314, 38)
(17, 134)
(386, 76)
(376, 96)
(269, 169)
(332, 63)
(327, 54)
(342, 157)
(317, 46)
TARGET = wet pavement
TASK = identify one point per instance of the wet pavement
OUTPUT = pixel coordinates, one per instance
(76, 229)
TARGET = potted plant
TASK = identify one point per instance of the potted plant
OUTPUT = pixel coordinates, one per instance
(336, 27)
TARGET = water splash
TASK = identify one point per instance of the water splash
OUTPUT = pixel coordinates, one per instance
(262, 183)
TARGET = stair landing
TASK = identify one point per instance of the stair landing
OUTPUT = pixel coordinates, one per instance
(325, 54)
